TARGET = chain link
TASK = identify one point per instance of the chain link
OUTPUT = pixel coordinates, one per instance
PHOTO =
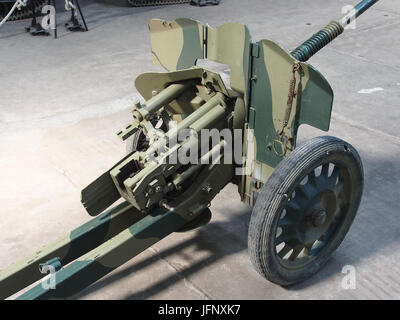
(283, 139)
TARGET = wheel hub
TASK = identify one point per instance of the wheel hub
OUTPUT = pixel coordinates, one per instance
(318, 218)
(312, 213)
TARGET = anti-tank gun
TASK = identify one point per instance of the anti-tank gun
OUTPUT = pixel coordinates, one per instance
(305, 198)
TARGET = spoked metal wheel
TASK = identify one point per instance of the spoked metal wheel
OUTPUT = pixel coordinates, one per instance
(314, 211)
(305, 210)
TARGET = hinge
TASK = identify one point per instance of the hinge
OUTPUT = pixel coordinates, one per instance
(255, 50)
(205, 32)
(252, 117)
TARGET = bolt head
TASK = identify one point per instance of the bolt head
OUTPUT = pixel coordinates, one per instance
(319, 218)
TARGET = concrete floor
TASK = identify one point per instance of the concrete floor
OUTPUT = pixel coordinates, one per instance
(62, 101)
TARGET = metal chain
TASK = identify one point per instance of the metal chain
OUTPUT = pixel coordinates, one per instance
(283, 139)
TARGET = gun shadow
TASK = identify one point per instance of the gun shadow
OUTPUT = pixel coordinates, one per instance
(221, 239)
(218, 240)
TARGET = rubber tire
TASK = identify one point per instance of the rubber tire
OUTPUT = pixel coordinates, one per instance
(271, 201)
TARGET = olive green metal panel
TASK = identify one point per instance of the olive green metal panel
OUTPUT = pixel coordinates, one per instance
(99, 195)
(230, 44)
(316, 101)
(177, 44)
(147, 83)
(272, 75)
(150, 82)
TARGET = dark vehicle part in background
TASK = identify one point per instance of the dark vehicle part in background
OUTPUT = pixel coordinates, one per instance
(34, 6)
(23, 13)
(34, 9)
(145, 3)
(205, 2)
(73, 25)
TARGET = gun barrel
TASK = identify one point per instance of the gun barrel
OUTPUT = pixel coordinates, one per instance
(358, 10)
(364, 6)
(164, 97)
(327, 34)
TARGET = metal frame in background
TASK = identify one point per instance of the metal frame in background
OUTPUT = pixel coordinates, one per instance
(73, 25)
(202, 3)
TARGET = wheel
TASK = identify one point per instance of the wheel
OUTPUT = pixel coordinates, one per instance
(305, 209)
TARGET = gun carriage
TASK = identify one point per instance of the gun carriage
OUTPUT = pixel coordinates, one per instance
(305, 198)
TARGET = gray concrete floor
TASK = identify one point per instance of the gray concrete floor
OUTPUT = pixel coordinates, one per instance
(62, 101)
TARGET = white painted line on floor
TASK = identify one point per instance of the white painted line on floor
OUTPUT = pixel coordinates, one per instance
(375, 132)
(372, 90)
